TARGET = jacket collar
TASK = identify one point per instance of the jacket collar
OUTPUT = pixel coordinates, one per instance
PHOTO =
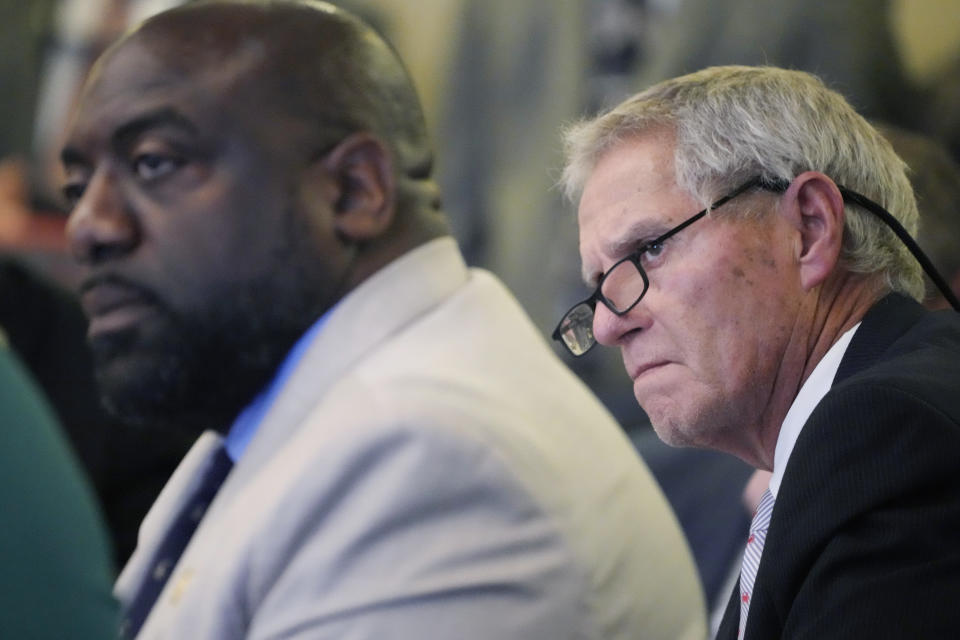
(883, 324)
(376, 310)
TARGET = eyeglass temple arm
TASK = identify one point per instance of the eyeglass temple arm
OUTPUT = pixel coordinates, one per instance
(895, 226)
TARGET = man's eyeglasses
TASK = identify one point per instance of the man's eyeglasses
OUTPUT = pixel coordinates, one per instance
(625, 283)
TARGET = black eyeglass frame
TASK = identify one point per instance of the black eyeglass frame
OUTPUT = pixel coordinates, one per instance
(774, 185)
(635, 258)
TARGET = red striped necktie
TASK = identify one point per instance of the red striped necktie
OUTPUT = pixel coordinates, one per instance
(751, 555)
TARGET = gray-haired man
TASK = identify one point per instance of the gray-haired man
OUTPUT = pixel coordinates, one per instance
(764, 308)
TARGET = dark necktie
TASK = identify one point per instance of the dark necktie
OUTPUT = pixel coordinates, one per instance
(181, 530)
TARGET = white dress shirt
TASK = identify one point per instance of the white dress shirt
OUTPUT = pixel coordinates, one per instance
(811, 393)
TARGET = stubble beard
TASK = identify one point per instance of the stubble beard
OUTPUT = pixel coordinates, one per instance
(197, 369)
(196, 372)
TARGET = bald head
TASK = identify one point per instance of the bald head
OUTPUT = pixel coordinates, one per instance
(238, 168)
(308, 59)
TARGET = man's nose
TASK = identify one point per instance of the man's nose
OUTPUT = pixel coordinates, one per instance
(610, 329)
(101, 226)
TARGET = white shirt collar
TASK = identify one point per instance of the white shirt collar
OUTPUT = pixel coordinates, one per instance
(811, 393)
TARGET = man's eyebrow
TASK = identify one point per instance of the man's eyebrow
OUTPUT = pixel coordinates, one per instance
(626, 242)
(629, 239)
(162, 117)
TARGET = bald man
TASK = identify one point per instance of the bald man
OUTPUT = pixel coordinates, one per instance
(388, 448)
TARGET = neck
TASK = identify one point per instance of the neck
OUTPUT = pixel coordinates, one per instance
(839, 305)
(825, 314)
(418, 222)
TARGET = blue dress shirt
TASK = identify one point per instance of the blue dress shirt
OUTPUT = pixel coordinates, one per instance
(248, 421)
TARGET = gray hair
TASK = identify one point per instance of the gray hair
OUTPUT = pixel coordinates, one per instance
(734, 123)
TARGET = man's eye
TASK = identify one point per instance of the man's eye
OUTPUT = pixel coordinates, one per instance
(150, 166)
(73, 191)
(654, 249)
(651, 254)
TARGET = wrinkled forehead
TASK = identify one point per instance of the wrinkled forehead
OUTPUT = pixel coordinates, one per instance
(631, 172)
(630, 194)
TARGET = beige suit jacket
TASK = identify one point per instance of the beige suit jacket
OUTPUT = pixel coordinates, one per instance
(430, 470)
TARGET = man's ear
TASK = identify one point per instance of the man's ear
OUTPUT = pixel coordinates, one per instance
(814, 206)
(361, 188)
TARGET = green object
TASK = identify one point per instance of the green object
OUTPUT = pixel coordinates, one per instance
(56, 573)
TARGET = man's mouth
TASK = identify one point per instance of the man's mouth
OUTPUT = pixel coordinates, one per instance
(113, 304)
(636, 371)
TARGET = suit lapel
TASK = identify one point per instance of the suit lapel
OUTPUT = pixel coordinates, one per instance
(372, 313)
(886, 321)
(160, 518)
(378, 309)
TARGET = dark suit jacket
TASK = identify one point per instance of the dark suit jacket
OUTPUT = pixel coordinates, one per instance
(864, 540)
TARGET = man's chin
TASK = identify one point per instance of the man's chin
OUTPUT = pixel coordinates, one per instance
(701, 431)
(140, 388)
(168, 370)
(671, 424)
(671, 435)
(167, 381)
(107, 346)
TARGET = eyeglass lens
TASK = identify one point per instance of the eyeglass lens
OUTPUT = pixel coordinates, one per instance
(623, 286)
(576, 329)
